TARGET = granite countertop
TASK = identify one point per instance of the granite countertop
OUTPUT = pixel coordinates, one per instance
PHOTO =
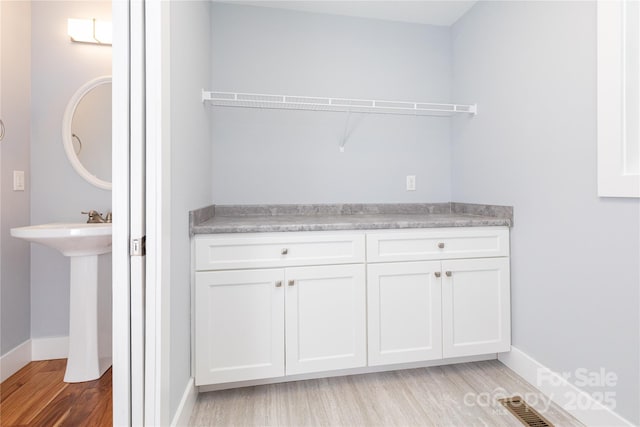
(276, 218)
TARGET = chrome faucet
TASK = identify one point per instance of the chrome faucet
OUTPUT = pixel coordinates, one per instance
(96, 218)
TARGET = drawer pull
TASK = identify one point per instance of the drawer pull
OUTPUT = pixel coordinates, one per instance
(441, 245)
(291, 282)
(438, 274)
(278, 283)
(448, 273)
(284, 251)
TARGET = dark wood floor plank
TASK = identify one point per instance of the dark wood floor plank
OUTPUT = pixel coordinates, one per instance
(53, 365)
(18, 379)
(21, 377)
(38, 396)
(56, 412)
(82, 409)
(26, 403)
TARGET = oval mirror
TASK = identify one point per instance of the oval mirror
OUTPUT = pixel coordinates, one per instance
(86, 131)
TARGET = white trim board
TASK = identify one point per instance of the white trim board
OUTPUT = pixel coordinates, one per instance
(351, 371)
(187, 403)
(49, 348)
(15, 360)
(588, 410)
(614, 180)
(32, 350)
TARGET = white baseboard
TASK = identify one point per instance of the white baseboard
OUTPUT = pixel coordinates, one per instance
(582, 405)
(49, 348)
(343, 372)
(15, 360)
(185, 408)
(31, 350)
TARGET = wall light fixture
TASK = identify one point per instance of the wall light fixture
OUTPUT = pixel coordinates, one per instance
(89, 31)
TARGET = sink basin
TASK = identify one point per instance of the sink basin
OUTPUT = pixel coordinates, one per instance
(72, 239)
(89, 320)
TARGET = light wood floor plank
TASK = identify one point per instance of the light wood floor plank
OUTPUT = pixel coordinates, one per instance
(426, 397)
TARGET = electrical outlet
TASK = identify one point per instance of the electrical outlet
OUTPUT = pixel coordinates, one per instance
(411, 183)
(18, 180)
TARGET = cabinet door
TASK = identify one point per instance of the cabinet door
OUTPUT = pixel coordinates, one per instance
(404, 312)
(476, 313)
(325, 318)
(239, 325)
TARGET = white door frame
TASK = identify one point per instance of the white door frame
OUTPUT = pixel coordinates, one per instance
(158, 218)
(120, 206)
(137, 209)
(141, 206)
(129, 211)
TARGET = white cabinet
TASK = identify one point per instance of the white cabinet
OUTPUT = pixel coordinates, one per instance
(404, 312)
(475, 307)
(325, 318)
(255, 323)
(276, 304)
(426, 310)
(239, 325)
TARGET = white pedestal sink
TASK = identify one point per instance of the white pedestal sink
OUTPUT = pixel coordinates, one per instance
(83, 243)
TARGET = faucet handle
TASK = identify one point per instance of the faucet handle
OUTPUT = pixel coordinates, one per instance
(94, 216)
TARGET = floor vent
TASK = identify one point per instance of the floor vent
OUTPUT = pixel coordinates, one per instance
(526, 414)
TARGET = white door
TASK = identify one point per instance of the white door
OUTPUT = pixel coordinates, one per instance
(325, 318)
(475, 306)
(404, 312)
(129, 201)
(239, 321)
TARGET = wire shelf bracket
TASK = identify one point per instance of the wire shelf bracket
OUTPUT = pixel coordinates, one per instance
(345, 134)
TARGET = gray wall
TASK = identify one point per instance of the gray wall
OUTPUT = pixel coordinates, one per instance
(531, 66)
(59, 194)
(15, 71)
(262, 156)
(190, 167)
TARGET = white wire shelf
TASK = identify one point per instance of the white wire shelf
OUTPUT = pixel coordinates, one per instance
(287, 102)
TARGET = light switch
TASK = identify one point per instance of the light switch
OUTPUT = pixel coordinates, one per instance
(18, 180)
(411, 183)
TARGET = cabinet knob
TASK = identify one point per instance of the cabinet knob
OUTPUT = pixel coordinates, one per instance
(437, 273)
(291, 282)
(278, 283)
(284, 251)
(448, 273)
(441, 245)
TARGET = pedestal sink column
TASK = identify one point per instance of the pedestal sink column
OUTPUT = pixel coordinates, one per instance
(90, 299)
(84, 362)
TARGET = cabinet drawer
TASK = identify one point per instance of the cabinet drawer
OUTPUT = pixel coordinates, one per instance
(443, 243)
(282, 250)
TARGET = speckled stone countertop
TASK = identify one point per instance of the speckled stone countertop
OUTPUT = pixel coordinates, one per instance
(276, 218)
